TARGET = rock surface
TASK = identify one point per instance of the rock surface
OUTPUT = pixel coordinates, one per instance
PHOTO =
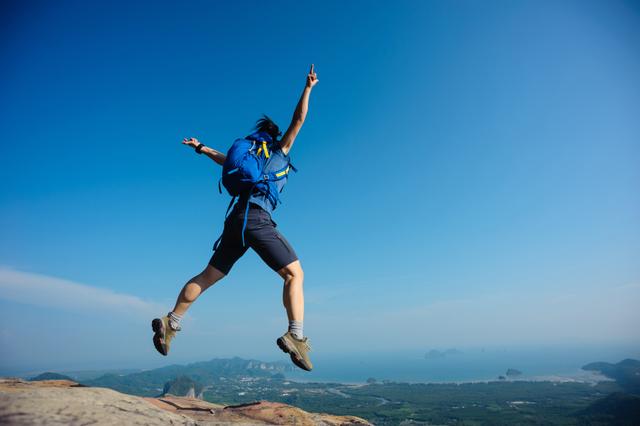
(63, 402)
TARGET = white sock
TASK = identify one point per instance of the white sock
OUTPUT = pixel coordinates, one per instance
(295, 328)
(174, 321)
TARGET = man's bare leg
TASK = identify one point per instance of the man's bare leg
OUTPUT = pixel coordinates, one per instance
(293, 341)
(292, 292)
(165, 328)
(195, 287)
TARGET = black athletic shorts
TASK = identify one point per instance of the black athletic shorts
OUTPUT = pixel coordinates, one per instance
(260, 234)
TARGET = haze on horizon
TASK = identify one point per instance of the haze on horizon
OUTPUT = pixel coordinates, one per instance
(468, 176)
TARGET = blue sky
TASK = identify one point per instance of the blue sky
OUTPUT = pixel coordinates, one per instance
(468, 175)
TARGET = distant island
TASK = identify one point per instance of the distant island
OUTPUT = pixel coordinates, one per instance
(436, 354)
(512, 372)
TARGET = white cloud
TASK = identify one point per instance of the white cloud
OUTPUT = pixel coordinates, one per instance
(43, 290)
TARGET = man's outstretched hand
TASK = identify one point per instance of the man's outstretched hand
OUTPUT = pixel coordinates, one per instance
(312, 78)
(190, 141)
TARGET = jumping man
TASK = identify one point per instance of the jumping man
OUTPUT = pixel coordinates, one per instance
(249, 224)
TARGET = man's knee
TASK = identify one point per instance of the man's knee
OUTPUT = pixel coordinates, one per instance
(292, 271)
(211, 275)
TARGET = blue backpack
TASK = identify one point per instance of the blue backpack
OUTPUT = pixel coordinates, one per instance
(246, 170)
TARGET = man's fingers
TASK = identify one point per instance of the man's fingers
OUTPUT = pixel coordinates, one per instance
(311, 70)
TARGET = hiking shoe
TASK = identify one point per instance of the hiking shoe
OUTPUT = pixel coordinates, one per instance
(163, 333)
(297, 349)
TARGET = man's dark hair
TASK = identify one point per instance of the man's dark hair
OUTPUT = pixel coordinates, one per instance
(265, 124)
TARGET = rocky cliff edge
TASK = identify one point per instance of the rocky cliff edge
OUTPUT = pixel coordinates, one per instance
(63, 402)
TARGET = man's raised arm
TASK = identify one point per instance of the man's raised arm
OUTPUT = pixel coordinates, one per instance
(299, 114)
(201, 148)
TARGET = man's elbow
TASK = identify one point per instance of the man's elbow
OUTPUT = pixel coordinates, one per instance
(297, 121)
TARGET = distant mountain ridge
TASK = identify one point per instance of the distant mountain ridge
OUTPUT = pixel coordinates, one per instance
(153, 382)
(50, 376)
(626, 373)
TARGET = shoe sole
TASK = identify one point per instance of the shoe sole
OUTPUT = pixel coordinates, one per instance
(282, 344)
(158, 336)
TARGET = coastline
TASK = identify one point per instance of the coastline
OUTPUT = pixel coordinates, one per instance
(581, 376)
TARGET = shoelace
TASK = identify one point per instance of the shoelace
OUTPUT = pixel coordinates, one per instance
(173, 326)
(306, 342)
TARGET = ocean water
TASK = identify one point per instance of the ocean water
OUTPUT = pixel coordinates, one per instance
(465, 365)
